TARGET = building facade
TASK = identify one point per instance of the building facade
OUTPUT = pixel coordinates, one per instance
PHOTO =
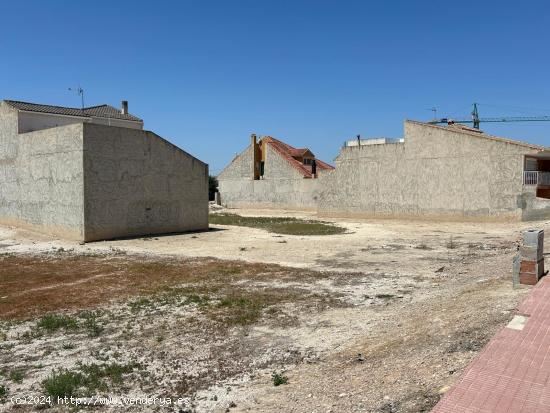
(272, 174)
(434, 172)
(94, 173)
(440, 172)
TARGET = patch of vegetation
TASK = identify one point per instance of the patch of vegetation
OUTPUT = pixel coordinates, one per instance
(88, 381)
(279, 225)
(62, 383)
(95, 373)
(53, 322)
(199, 300)
(278, 379)
(3, 391)
(243, 310)
(67, 346)
(140, 303)
(174, 296)
(16, 376)
(91, 324)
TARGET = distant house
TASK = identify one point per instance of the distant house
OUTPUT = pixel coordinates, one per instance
(272, 174)
(94, 173)
(439, 172)
(434, 172)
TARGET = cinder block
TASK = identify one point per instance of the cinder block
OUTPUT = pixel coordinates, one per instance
(534, 238)
(530, 253)
(528, 278)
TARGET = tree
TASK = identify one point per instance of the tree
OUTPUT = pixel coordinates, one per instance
(212, 187)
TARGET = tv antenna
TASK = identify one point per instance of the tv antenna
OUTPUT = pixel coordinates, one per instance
(80, 92)
(434, 110)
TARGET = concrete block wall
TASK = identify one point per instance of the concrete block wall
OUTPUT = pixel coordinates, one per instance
(436, 173)
(41, 177)
(137, 183)
(89, 182)
(282, 186)
(533, 208)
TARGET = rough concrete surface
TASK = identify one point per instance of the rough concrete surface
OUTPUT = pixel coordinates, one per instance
(87, 182)
(437, 172)
(137, 183)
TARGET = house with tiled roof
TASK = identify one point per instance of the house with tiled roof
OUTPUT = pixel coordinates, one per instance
(33, 116)
(93, 173)
(270, 173)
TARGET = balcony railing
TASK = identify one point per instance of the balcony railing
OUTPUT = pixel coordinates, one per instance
(536, 178)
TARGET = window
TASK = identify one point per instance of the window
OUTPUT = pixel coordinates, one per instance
(308, 161)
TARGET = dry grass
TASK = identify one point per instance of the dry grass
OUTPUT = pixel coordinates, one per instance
(286, 225)
(34, 285)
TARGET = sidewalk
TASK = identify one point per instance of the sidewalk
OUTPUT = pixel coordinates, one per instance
(511, 374)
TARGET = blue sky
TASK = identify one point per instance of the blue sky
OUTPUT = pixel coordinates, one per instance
(206, 74)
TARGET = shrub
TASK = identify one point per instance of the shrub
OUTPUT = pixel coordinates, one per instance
(53, 322)
(3, 391)
(63, 383)
(16, 376)
(278, 379)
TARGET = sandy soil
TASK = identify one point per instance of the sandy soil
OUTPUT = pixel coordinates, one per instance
(406, 305)
(367, 245)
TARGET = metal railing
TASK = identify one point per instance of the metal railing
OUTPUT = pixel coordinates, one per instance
(536, 178)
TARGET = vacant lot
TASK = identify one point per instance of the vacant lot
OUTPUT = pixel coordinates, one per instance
(377, 319)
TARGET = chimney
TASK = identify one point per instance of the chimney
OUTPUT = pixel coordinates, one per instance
(255, 157)
(124, 107)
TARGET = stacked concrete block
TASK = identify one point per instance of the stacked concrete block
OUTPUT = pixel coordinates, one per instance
(531, 259)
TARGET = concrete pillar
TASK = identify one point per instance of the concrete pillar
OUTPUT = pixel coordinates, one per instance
(531, 266)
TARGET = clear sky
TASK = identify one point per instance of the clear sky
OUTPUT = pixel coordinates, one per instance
(206, 74)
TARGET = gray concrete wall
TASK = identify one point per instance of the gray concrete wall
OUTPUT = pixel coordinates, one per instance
(41, 177)
(90, 182)
(533, 208)
(436, 173)
(137, 183)
(282, 186)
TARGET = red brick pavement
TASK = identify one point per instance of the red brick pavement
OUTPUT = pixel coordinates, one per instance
(511, 374)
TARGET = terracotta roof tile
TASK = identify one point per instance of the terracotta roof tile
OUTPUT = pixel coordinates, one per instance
(288, 153)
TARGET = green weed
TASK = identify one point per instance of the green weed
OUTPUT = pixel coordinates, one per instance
(278, 379)
(279, 225)
(54, 322)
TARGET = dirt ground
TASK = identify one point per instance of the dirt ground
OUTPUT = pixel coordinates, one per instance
(381, 318)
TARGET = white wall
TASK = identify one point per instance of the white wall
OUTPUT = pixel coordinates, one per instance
(32, 121)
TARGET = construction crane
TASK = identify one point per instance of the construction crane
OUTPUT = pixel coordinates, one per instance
(476, 120)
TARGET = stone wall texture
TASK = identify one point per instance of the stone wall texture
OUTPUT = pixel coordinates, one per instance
(41, 177)
(92, 182)
(137, 183)
(282, 186)
(436, 173)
